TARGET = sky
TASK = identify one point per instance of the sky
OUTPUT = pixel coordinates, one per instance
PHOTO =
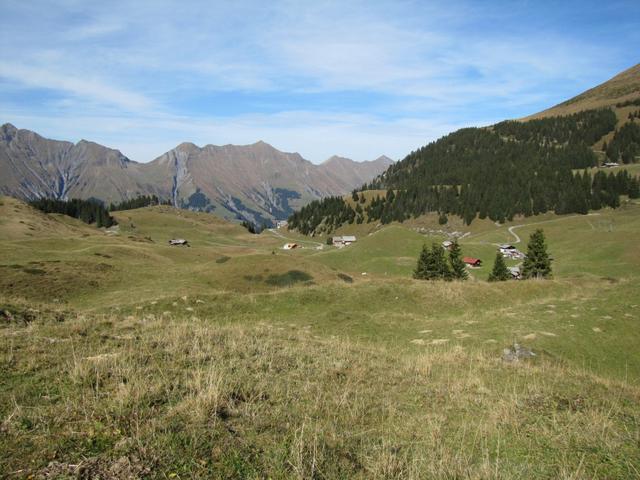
(353, 78)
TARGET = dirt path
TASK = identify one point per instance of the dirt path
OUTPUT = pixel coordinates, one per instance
(511, 231)
(518, 239)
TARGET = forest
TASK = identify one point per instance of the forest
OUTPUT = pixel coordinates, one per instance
(89, 211)
(331, 212)
(512, 168)
(138, 202)
(625, 145)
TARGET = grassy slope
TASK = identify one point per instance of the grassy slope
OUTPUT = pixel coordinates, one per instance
(200, 362)
(622, 87)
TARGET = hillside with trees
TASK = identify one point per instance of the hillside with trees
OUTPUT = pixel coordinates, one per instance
(512, 168)
(138, 202)
(89, 211)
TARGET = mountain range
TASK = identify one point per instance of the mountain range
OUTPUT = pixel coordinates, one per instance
(254, 182)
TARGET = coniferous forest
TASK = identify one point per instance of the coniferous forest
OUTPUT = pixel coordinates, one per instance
(138, 202)
(512, 168)
(331, 212)
(625, 145)
(89, 211)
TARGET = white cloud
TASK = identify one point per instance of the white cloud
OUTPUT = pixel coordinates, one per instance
(315, 136)
(120, 71)
(88, 88)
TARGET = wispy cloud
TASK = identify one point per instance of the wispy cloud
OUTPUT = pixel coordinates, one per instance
(87, 88)
(355, 78)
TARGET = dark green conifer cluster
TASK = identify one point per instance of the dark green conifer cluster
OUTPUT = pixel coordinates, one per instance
(584, 128)
(433, 264)
(322, 215)
(625, 145)
(138, 202)
(89, 211)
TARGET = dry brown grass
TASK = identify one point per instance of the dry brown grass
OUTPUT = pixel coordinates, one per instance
(186, 397)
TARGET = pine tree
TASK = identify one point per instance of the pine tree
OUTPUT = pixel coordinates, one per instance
(423, 262)
(500, 272)
(634, 188)
(537, 264)
(440, 266)
(432, 264)
(458, 268)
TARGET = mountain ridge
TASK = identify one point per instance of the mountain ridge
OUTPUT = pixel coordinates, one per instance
(254, 182)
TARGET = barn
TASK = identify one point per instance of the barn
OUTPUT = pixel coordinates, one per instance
(472, 262)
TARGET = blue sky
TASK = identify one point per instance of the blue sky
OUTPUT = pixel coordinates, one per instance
(352, 78)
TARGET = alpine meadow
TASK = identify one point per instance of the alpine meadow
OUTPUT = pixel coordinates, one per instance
(236, 311)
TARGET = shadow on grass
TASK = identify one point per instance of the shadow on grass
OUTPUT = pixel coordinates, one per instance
(289, 278)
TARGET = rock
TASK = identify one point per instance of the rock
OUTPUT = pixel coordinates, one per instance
(6, 315)
(516, 353)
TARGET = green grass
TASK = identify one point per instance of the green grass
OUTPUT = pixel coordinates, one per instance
(235, 359)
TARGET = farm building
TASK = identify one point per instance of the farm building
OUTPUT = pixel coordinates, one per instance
(289, 246)
(447, 244)
(178, 242)
(472, 262)
(509, 251)
(343, 241)
(282, 224)
(610, 164)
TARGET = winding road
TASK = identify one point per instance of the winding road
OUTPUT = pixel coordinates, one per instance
(518, 239)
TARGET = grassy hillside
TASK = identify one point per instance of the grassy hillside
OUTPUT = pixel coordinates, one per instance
(123, 357)
(623, 87)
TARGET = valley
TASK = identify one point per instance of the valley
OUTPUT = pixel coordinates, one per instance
(402, 323)
(124, 356)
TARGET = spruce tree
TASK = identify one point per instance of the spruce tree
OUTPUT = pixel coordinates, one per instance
(537, 264)
(458, 268)
(634, 188)
(500, 272)
(439, 265)
(432, 264)
(423, 261)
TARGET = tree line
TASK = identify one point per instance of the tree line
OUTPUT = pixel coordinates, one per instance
(322, 215)
(89, 211)
(512, 168)
(138, 202)
(584, 128)
(625, 144)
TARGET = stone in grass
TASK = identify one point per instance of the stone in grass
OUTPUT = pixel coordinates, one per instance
(516, 353)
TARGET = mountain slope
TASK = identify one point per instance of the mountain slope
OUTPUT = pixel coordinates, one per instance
(32, 167)
(255, 182)
(513, 168)
(355, 173)
(622, 88)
